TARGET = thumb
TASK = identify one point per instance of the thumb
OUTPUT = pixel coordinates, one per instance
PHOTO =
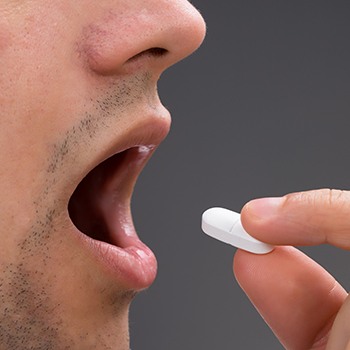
(304, 218)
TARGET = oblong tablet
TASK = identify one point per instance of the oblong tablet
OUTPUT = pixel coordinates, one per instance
(225, 225)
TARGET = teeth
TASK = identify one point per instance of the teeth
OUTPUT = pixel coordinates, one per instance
(145, 149)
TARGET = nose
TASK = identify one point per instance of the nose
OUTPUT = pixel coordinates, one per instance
(138, 33)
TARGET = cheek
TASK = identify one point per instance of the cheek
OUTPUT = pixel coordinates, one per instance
(36, 53)
(36, 104)
(36, 76)
(5, 40)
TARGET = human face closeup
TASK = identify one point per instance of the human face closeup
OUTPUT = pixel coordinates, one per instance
(79, 118)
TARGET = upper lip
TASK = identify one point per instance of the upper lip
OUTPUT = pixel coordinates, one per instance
(150, 132)
(113, 242)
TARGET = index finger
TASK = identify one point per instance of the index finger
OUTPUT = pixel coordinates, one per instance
(304, 218)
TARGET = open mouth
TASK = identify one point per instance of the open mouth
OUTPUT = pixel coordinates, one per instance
(100, 210)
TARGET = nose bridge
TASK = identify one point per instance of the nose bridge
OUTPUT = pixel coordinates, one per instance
(126, 31)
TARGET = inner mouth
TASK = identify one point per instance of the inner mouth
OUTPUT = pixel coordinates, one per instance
(100, 205)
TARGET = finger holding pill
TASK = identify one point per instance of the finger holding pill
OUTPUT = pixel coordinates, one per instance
(225, 225)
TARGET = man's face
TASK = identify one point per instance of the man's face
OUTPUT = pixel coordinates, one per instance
(79, 101)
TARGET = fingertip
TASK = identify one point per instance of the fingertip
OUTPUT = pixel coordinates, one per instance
(268, 220)
(239, 264)
(257, 216)
(263, 208)
(251, 268)
(242, 263)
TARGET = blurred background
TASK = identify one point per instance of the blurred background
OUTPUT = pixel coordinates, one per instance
(262, 109)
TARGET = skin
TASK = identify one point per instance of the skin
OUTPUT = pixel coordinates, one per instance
(302, 303)
(75, 86)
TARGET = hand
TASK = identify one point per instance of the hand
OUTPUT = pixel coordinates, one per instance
(302, 303)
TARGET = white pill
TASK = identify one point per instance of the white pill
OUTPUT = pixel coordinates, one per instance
(225, 225)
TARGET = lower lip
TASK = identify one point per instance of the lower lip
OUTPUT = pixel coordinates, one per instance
(133, 267)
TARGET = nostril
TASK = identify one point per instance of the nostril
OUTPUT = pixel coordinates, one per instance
(152, 52)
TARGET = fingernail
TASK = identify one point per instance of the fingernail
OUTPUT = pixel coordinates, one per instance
(264, 207)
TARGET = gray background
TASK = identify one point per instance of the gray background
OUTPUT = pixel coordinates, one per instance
(262, 109)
